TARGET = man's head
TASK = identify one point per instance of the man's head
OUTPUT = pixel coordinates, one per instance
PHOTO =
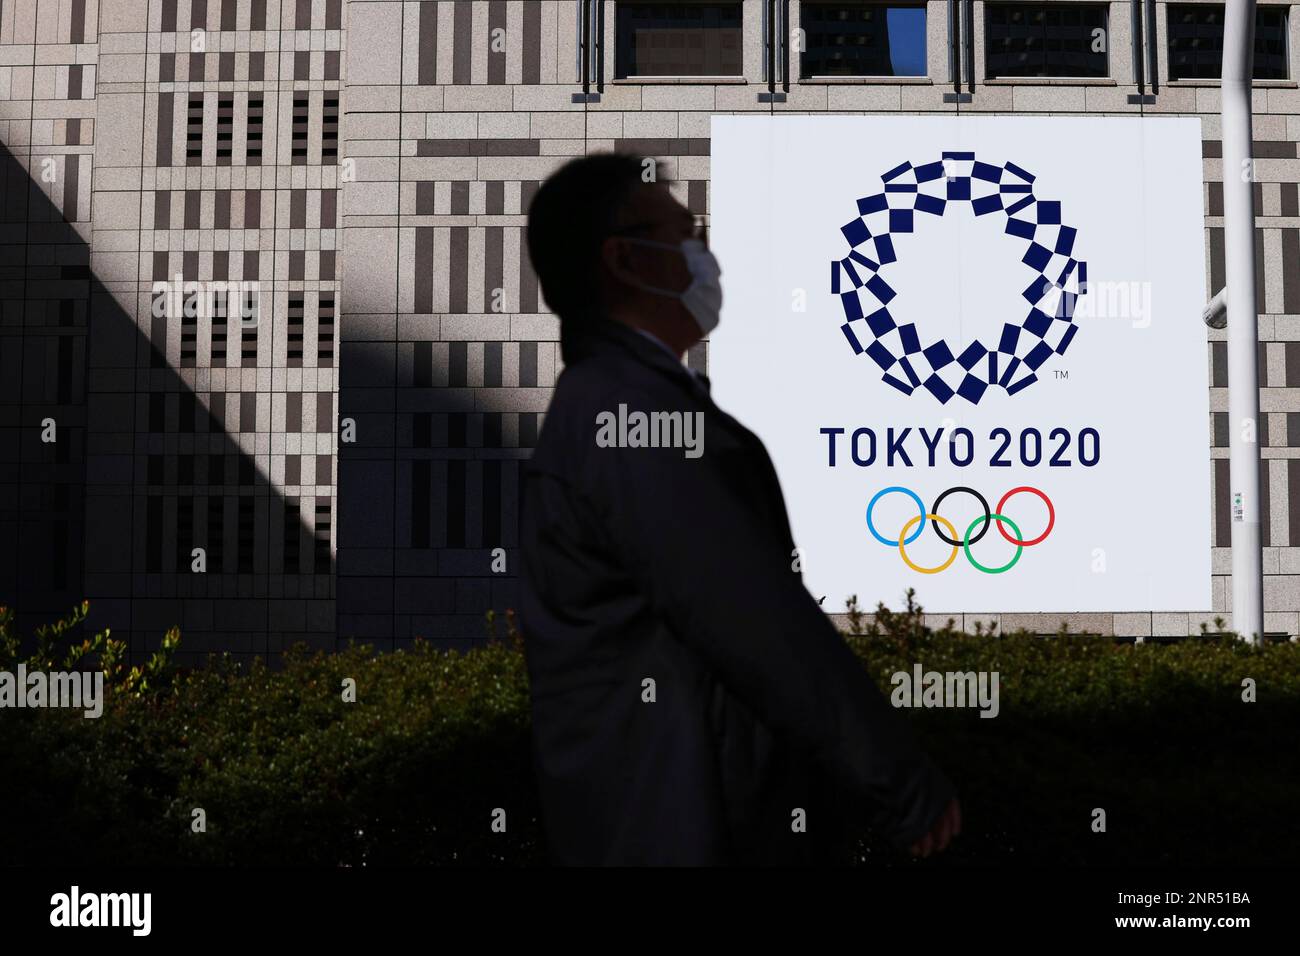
(606, 245)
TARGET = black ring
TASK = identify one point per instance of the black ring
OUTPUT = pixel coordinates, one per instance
(970, 491)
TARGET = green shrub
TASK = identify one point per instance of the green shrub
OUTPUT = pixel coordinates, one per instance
(410, 773)
(56, 648)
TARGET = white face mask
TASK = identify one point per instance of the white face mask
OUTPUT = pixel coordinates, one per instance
(703, 297)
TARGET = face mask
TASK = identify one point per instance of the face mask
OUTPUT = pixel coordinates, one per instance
(703, 297)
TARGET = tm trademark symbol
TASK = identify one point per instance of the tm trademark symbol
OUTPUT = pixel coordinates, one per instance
(1062, 373)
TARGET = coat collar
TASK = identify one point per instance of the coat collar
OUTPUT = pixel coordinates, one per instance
(605, 336)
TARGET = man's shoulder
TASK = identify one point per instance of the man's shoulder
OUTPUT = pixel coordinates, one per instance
(590, 390)
(601, 382)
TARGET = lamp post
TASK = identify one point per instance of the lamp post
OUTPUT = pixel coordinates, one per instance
(1242, 319)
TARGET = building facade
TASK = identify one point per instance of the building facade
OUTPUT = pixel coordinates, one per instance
(169, 344)
(338, 191)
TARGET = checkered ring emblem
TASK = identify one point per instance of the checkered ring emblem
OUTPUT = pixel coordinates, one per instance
(906, 360)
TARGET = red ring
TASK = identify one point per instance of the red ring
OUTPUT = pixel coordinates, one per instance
(1051, 516)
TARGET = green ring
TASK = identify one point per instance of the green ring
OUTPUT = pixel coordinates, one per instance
(965, 543)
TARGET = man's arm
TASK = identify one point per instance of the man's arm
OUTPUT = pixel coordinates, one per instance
(721, 578)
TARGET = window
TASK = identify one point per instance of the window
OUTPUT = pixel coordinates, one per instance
(254, 147)
(329, 137)
(292, 534)
(298, 145)
(686, 38)
(1196, 42)
(194, 131)
(857, 38)
(295, 341)
(325, 330)
(1045, 39)
(322, 535)
(225, 128)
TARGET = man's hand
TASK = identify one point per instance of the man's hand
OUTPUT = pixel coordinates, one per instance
(945, 828)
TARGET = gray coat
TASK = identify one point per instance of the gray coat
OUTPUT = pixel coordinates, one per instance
(643, 564)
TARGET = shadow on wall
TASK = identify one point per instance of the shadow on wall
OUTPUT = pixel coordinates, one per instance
(140, 471)
(429, 488)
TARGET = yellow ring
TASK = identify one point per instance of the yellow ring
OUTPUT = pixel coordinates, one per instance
(952, 533)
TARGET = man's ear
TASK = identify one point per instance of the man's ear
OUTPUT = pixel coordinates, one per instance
(614, 256)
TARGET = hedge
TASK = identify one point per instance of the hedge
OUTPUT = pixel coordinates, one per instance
(288, 773)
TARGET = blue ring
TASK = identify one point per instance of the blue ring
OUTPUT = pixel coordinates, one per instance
(920, 505)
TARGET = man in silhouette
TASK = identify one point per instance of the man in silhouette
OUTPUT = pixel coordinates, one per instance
(691, 702)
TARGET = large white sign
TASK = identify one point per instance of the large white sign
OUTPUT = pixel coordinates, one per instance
(933, 320)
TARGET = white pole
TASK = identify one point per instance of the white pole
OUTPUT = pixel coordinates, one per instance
(1243, 319)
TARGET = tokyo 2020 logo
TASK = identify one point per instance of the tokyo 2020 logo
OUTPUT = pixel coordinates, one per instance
(906, 360)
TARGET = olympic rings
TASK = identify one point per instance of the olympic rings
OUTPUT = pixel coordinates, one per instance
(919, 505)
(962, 542)
(951, 558)
(1020, 549)
(983, 502)
(1051, 516)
